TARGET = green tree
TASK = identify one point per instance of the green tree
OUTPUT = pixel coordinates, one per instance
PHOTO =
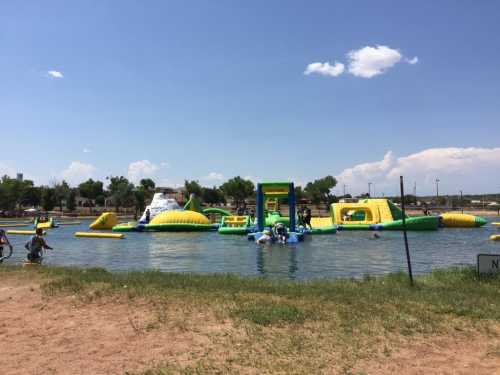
(91, 189)
(238, 189)
(71, 200)
(147, 184)
(193, 187)
(61, 191)
(320, 190)
(299, 193)
(32, 196)
(139, 199)
(48, 198)
(213, 195)
(121, 192)
(12, 192)
(100, 200)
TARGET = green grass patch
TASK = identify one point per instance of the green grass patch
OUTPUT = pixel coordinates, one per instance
(271, 313)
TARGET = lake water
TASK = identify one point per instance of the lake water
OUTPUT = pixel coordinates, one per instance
(346, 254)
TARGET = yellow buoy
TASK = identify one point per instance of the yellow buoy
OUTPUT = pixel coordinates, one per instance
(100, 235)
(13, 225)
(495, 237)
(27, 232)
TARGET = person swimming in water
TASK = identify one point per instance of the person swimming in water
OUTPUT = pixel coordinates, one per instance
(267, 237)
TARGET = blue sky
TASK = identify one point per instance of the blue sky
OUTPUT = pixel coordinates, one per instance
(211, 89)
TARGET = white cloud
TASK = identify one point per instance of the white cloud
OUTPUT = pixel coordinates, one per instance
(7, 169)
(55, 74)
(412, 61)
(86, 150)
(325, 69)
(140, 169)
(468, 169)
(78, 172)
(213, 176)
(368, 62)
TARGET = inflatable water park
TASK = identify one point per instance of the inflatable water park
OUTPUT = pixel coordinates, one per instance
(166, 215)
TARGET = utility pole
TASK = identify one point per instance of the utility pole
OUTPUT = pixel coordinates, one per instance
(369, 189)
(462, 201)
(437, 188)
(343, 186)
(415, 189)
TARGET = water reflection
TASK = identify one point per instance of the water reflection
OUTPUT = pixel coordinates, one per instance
(277, 260)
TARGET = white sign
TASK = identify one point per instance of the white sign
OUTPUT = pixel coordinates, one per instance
(488, 263)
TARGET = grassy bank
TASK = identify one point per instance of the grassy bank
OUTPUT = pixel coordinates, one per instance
(294, 327)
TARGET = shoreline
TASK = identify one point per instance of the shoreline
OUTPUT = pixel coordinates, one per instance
(95, 321)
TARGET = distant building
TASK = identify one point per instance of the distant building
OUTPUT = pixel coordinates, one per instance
(19, 177)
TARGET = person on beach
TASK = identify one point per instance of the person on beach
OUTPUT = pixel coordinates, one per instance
(4, 241)
(36, 245)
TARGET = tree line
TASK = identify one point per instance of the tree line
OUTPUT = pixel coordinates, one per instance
(120, 192)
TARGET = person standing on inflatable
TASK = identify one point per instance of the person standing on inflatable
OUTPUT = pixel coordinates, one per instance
(307, 218)
(36, 245)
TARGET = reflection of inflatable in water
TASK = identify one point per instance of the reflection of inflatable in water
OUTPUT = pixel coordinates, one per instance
(172, 220)
(459, 220)
(377, 214)
(106, 221)
(159, 204)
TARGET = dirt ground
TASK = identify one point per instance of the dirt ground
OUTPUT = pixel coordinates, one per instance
(62, 335)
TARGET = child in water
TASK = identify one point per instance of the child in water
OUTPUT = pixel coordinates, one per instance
(267, 237)
(36, 245)
(280, 231)
(4, 241)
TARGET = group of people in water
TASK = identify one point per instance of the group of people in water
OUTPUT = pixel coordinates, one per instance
(34, 246)
(278, 232)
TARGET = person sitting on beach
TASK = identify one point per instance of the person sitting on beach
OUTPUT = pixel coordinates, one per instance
(267, 237)
(4, 241)
(280, 232)
(36, 245)
(307, 218)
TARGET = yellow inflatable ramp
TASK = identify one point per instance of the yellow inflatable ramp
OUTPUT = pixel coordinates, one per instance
(496, 224)
(116, 236)
(106, 221)
(13, 225)
(321, 222)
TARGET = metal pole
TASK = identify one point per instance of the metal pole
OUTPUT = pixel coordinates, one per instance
(410, 273)
(437, 188)
(369, 189)
(462, 201)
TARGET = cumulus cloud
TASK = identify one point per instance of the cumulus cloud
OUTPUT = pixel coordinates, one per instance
(368, 62)
(412, 61)
(54, 74)
(325, 69)
(140, 169)
(78, 172)
(214, 176)
(468, 169)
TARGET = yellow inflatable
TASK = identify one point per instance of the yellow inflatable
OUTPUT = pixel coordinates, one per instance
(180, 217)
(100, 235)
(458, 220)
(106, 221)
(495, 237)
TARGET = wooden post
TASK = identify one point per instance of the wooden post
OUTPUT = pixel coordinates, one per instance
(410, 273)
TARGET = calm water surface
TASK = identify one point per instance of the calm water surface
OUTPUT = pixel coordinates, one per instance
(346, 254)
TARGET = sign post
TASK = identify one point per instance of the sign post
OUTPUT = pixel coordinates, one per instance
(488, 264)
(408, 260)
